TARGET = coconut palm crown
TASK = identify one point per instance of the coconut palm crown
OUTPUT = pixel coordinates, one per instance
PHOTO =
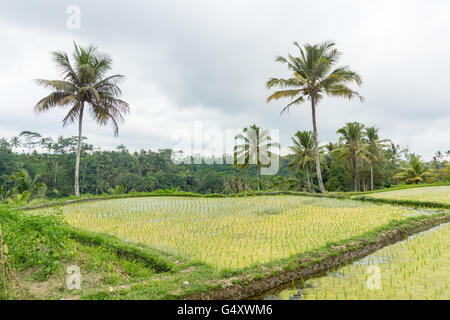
(353, 147)
(302, 155)
(375, 147)
(254, 146)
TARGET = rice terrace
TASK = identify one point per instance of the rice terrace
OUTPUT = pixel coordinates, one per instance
(225, 156)
(214, 244)
(232, 233)
(431, 194)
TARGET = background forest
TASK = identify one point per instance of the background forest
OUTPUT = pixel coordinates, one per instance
(34, 166)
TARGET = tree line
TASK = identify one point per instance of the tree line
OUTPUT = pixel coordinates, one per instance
(33, 166)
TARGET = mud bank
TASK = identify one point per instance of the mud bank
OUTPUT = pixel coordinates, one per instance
(341, 255)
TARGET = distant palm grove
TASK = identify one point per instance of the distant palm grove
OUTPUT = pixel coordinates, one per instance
(34, 166)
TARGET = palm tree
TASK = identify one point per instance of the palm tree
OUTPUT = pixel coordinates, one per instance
(413, 171)
(303, 153)
(31, 139)
(374, 147)
(395, 152)
(437, 158)
(5, 147)
(84, 85)
(46, 143)
(23, 183)
(15, 142)
(236, 184)
(330, 147)
(299, 182)
(255, 148)
(277, 182)
(312, 77)
(353, 147)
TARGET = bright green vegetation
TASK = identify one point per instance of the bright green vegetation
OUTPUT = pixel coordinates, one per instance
(232, 233)
(48, 175)
(427, 194)
(417, 268)
(39, 248)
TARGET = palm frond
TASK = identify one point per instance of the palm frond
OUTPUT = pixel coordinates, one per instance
(340, 90)
(283, 94)
(63, 64)
(72, 115)
(286, 108)
(312, 74)
(54, 99)
(283, 83)
(59, 85)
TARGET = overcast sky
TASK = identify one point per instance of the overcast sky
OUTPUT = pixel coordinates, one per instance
(209, 61)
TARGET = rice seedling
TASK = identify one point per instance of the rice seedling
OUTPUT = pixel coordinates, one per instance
(232, 233)
(430, 194)
(416, 268)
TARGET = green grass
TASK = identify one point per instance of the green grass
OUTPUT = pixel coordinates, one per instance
(101, 270)
(139, 252)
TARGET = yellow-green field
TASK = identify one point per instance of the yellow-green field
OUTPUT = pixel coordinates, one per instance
(418, 268)
(233, 232)
(431, 194)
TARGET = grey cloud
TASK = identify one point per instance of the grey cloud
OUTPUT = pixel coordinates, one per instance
(218, 55)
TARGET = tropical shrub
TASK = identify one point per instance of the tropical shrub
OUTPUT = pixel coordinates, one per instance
(34, 240)
(25, 188)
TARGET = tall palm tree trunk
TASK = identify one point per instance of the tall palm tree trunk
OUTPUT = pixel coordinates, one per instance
(257, 160)
(371, 177)
(316, 146)
(308, 179)
(77, 161)
(257, 177)
(55, 165)
(355, 173)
